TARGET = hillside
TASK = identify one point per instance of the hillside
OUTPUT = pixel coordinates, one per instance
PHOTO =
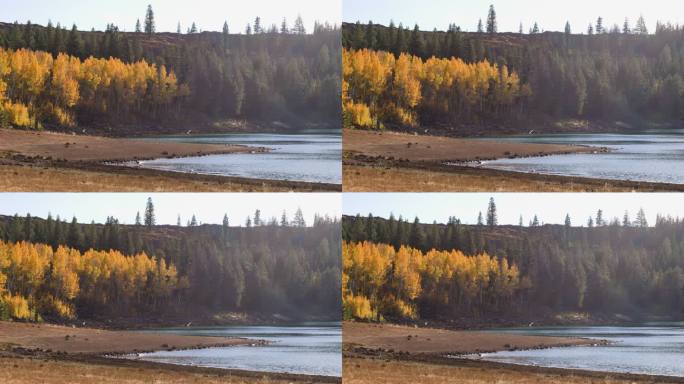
(613, 271)
(286, 271)
(218, 81)
(575, 82)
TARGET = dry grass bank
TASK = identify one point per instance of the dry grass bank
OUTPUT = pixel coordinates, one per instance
(50, 371)
(358, 178)
(371, 371)
(35, 178)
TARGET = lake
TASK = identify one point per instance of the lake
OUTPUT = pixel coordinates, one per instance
(652, 156)
(313, 156)
(308, 348)
(653, 349)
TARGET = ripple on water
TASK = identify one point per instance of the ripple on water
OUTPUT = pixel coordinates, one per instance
(652, 156)
(310, 157)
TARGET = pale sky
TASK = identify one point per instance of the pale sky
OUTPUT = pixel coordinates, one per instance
(551, 15)
(209, 15)
(551, 208)
(209, 208)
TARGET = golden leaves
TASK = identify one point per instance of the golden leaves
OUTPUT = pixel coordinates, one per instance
(378, 279)
(395, 90)
(38, 88)
(40, 280)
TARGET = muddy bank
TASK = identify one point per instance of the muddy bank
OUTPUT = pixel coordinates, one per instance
(436, 149)
(86, 355)
(431, 341)
(376, 353)
(64, 147)
(74, 163)
(73, 340)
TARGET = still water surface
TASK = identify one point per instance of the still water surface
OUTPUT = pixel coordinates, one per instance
(653, 349)
(313, 156)
(652, 156)
(309, 348)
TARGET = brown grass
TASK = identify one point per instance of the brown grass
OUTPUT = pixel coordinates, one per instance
(18, 178)
(367, 371)
(380, 179)
(48, 371)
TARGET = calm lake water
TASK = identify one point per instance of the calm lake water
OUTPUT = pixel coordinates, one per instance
(654, 156)
(313, 156)
(653, 349)
(310, 349)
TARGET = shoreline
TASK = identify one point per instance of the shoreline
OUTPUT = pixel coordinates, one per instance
(60, 147)
(400, 340)
(384, 350)
(79, 163)
(398, 162)
(122, 370)
(406, 148)
(94, 347)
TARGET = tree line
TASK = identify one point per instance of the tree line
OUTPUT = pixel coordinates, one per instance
(38, 282)
(632, 76)
(224, 79)
(286, 268)
(608, 266)
(379, 90)
(37, 90)
(381, 282)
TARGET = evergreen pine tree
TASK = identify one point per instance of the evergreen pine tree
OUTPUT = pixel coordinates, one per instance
(492, 219)
(299, 26)
(599, 26)
(149, 213)
(491, 20)
(257, 26)
(299, 219)
(149, 21)
(641, 28)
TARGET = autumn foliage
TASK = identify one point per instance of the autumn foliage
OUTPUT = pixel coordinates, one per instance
(380, 281)
(37, 281)
(37, 89)
(380, 88)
